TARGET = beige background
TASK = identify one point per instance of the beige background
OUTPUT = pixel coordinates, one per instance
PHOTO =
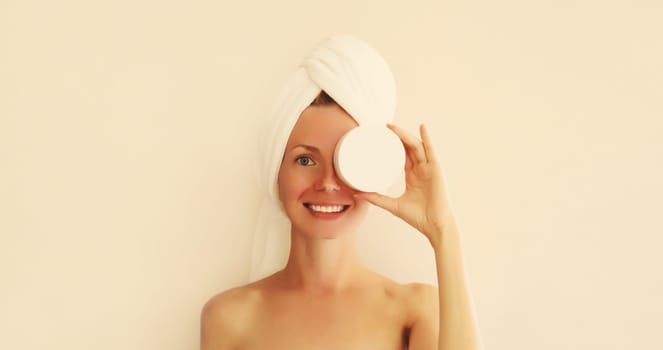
(127, 133)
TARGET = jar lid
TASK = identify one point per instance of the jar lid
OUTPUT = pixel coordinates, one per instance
(369, 158)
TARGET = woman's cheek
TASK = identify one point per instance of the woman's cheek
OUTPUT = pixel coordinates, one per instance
(293, 183)
(301, 182)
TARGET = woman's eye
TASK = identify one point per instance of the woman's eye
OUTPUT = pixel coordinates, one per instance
(305, 161)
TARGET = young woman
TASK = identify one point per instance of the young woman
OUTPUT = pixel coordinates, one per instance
(324, 298)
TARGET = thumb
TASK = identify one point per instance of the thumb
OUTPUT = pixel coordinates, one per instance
(384, 202)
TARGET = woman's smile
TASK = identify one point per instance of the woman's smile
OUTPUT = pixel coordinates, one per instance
(326, 208)
(327, 211)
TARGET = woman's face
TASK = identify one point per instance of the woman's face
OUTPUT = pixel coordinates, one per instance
(317, 202)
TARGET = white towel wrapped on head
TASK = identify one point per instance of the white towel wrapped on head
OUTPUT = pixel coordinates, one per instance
(360, 81)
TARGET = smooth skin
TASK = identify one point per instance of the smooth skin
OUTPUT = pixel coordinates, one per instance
(324, 298)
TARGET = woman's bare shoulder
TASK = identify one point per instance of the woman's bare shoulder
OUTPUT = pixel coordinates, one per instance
(421, 290)
(231, 300)
(418, 301)
(227, 316)
(422, 303)
(422, 298)
(413, 291)
(416, 297)
(236, 301)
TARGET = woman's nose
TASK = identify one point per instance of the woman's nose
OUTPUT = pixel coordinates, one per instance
(328, 180)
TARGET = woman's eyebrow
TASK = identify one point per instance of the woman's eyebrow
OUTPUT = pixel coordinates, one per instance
(307, 147)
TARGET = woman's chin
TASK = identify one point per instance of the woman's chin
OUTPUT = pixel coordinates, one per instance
(325, 232)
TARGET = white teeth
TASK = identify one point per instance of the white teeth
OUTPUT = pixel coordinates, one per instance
(326, 209)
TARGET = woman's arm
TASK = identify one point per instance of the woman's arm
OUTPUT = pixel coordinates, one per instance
(425, 206)
(458, 329)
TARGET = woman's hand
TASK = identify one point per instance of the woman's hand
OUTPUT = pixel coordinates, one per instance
(425, 203)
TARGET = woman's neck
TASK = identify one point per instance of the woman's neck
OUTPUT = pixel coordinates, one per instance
(322, 265)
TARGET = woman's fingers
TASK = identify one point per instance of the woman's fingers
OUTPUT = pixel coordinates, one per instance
(429, 149)
(379, 200)
(412, 144)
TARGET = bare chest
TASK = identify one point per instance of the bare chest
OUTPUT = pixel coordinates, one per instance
(378, 324)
